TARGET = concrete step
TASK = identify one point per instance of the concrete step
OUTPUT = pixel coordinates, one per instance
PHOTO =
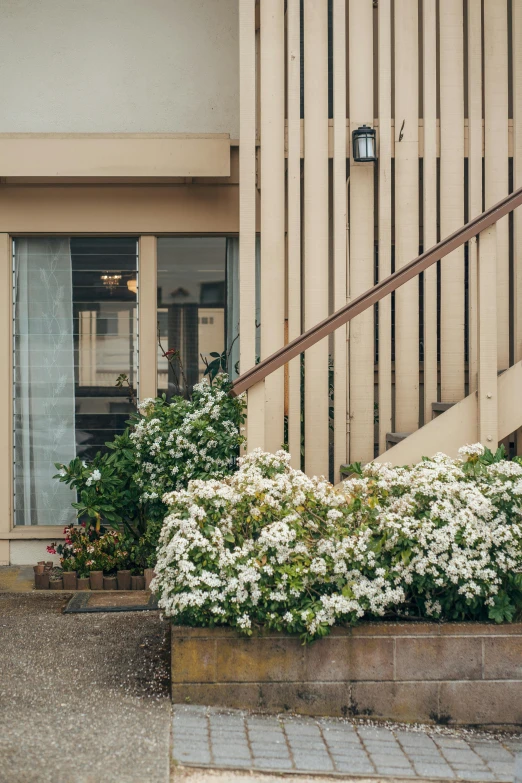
(440, 407)
(395, 437)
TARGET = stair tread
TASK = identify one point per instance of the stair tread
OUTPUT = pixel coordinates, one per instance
(442, 406)
(395, 437)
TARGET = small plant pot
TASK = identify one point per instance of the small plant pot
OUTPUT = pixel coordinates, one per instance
(56, 584)
(49, 563)
(39, 569)
(69, 580)
(96, 580)
(41, 581)
(41, 562)
(124, 580)
(138, 583)
(83, 583)
(110, 583)
(149, 575)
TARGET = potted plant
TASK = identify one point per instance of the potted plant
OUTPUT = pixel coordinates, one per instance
(69, 573)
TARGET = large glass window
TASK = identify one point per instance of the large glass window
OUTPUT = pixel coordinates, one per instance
(75, 332)
(197, 307)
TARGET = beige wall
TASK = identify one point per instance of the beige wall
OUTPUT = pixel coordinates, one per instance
(119, 66)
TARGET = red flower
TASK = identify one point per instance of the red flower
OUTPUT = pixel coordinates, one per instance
(51, 550)
(171, 352)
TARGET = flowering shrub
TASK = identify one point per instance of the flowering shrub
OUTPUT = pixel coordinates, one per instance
(86, 549)
(165, 446)
(270, 546)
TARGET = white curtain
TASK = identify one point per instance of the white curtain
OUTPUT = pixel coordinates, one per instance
(44, 380)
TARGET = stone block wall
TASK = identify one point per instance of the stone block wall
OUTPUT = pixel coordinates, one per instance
(455, 673)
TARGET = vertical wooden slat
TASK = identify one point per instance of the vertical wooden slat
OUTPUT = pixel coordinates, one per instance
(451, 198)
(339, 239)
(517, 183)
(148, 319)
(273, 211)
(316, 230)
(475, 184)
(361, 372)
(406, 214)
(429, 171)
(487, 324)
(6, 417)
(294, 223)
(496, 152)
(247, 216)
(385, 218)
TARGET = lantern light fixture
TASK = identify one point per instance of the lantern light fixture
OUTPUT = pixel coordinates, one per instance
(363, 143)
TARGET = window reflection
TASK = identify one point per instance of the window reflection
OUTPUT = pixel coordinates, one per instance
(191, 307)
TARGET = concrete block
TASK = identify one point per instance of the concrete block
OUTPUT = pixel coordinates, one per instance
(193, 660)
(483, 702)
(441, 658)
(396, 700)
(366, 658)
(260, 660)
(503, 658)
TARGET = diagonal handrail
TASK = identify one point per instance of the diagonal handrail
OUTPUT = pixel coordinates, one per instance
(362, 302)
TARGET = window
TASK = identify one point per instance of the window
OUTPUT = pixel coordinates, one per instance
(75, 331)
(197, 306)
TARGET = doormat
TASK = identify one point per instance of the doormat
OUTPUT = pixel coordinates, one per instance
(113, 601)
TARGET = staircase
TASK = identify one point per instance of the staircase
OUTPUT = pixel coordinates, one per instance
(457, 424)
(488, 415)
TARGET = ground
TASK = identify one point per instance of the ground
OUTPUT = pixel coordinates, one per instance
(85, 699)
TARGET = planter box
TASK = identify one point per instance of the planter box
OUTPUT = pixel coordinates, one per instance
(456, 673)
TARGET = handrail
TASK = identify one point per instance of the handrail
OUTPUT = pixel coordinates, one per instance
(362, 302)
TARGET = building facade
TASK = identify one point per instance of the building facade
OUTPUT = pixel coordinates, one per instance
(180, 173)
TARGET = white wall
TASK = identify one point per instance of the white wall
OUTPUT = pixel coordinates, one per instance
(119, 66)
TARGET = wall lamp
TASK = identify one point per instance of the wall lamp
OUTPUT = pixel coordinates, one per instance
(363, 143)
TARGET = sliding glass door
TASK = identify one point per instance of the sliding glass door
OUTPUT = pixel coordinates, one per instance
(74, 332)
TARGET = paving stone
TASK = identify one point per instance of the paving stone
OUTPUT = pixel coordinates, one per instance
(313, 762)
(461, 756)
(412, 740)
(355, 767)
(277, 751)
(433, 770)
(474, 775)
(233, 761)
(193, 756)
(493, 753)
(272, 763)
(395, 771)
(450, 742)
(502, 767)
(389, 760)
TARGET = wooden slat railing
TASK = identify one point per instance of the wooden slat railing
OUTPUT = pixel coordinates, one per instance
(376, 293)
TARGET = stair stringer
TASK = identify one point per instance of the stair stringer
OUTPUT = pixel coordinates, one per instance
(459, 425)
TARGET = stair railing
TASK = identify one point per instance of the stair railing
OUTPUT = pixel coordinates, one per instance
(482, 227)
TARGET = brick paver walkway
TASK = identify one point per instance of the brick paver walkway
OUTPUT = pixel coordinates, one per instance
(208, 737)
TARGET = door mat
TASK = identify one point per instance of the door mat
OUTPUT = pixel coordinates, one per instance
(113, 601)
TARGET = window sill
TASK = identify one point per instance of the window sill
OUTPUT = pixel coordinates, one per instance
(28, 532)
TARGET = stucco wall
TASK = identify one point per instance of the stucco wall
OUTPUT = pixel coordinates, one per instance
(79, 66)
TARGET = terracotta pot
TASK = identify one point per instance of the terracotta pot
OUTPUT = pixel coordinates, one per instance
(38, 569)
(69, 580)
(41, 562)
(110, 583)
(49, 563)
(96, 580)
(124, 579)
(56, 584)
(149, 575)
(83, 583)
(41, 581)
(138, 583)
